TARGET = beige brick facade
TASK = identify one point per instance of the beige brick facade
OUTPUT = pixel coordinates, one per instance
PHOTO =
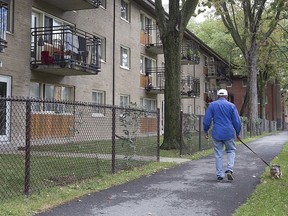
(99, 22)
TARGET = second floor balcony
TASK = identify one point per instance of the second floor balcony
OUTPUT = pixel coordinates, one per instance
(70, 5)
(155, 83)
(64, 51)
(152, 39)
(155, 80)
(214, 70)
(190, 54)
(190, 87)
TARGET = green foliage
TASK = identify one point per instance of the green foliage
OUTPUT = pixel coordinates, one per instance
(220, 40)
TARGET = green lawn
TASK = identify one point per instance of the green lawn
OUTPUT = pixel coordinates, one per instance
(271, 196)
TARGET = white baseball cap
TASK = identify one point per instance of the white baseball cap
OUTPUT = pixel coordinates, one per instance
(222, 92)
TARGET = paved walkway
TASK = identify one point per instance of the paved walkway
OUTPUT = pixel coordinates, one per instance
(188, 189)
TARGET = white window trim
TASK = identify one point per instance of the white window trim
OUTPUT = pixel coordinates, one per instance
(102, 38)
(99, 114)
(129, 12)
(143, 63)
(149, 99)
(42, 105)
(8, 80)
(128, 58)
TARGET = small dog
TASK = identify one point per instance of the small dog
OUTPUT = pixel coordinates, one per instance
(275, 172)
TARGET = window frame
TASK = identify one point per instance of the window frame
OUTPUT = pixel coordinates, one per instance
(102, 47)
(244, 82)
(152, 107)
(125, 5)
(10, 15)
(145, 21)
(122, 59)
(144, 63)
(99, 111)
(57, 92)
(127, 102)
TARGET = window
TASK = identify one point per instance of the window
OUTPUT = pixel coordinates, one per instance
(229, 84)
(53, 32)
(51, 92)
(4, 23)
(265, 99)
(5, 108)
(145, 21)
(102, 48)
(125, 10)
(53, 35)
(124, 57)
(124, 101)
(146, 63)
(244, 82)
(98, 98)
(149, 104)
(6, 16)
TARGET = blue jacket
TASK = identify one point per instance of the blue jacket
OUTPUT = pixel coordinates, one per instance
(225, 117)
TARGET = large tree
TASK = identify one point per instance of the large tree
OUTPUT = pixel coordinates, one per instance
(248, 35)
(172, 27)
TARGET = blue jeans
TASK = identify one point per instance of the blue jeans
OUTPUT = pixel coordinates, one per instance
(218, 151)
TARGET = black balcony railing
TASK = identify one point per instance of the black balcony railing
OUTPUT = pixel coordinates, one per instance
(70, 5)
(190, 53)
(155, 80)
(65, 51)
(190, 87)
(152, 39)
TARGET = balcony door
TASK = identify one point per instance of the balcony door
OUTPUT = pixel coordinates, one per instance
(5, 91)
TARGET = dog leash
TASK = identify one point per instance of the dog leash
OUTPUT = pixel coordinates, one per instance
(254, 152)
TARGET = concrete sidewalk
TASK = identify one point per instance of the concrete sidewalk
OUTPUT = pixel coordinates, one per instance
(187, 189)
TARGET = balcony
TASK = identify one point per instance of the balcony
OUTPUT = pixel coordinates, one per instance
(152, 39)
(155, 80)
(190, 87)
(70, 5)
(215, 70)
(190, 54)
(64, 51)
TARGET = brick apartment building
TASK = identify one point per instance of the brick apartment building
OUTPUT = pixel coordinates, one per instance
(79, 50)
(274, 103)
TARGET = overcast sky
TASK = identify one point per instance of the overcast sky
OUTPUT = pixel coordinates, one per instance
(198, 18)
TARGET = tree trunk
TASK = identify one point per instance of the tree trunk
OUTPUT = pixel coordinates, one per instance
(245, 104)
(172, 134)
(261, 90)
(252, 88)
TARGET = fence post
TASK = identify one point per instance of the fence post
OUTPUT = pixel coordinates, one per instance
(158, 134)
(27, 147)
(200, 130)
(113, 138)
(181, 133)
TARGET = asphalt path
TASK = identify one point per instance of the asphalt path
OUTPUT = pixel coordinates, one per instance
(187, 189)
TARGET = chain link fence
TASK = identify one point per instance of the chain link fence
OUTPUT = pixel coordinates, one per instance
(193, 133)
(51, 143)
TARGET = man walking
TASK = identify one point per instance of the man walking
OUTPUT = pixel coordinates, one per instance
(226, 122)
